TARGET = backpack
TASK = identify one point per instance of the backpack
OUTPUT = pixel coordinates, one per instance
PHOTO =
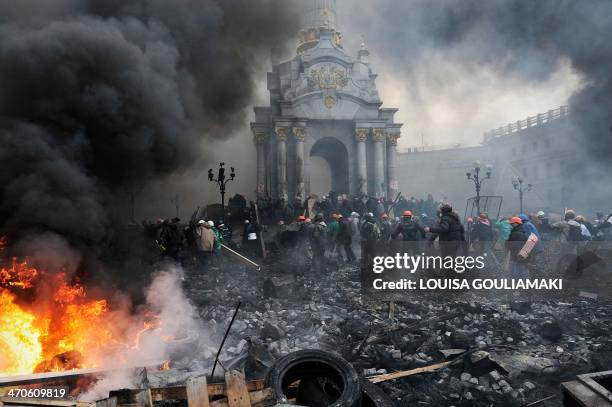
(319, 231)
(371, 231)
(574, 233)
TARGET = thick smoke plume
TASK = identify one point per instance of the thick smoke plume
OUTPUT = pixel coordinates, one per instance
(103, 95)
(178, 323)
(525, 42)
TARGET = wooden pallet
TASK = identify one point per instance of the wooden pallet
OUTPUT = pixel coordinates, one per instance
(235, 392)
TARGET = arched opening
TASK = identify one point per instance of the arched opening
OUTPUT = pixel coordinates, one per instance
(329, 168)
(320, 176)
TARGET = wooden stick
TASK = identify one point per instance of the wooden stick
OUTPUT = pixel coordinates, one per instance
(223, 341)
(405, 373)
(430, 368)
(534, 403)
(241, 257)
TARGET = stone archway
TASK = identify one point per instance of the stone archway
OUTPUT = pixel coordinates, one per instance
(336, 155)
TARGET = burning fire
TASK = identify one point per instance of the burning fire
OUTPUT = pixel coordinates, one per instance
(68, 330)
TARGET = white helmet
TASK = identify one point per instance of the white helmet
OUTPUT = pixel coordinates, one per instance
(211, 223)
(541, 213)
(201, 222)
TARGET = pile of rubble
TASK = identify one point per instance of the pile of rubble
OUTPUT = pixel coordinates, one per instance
(505, 352)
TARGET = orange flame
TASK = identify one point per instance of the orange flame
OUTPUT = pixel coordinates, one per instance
(19, 338)
(18, 275)
(67, 331)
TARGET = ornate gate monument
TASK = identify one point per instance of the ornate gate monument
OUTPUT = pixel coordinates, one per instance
(324, 103)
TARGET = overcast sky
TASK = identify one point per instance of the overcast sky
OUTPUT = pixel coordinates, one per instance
(440, 93)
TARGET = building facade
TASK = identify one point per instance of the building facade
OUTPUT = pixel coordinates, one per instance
(324, 103)
(539, 149)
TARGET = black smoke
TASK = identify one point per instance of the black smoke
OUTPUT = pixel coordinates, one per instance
(526, 40)
(98, 96)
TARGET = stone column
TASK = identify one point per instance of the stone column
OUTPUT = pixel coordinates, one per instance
(300, 134)
(281, 133)
(362, 174)
(392, 182)
(379, 163)
(260, 139)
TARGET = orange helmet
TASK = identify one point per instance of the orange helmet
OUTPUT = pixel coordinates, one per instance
(301, 218)
(407, 213)
(515, 219)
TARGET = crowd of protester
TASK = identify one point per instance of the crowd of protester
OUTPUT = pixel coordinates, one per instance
(335, 228)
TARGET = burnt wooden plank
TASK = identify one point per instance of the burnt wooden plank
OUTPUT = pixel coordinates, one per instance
(197, 392)
(237, 392)
(582, 395)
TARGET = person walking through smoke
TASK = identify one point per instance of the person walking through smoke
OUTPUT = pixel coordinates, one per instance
(250, 238)
(345, 238)
(317, 235)
(370, 234)
(450, 232)
(385, 228)
(514, 244)
(411, 231)
(332, 236)
(483, 236)
(171, 237)
(206, 242)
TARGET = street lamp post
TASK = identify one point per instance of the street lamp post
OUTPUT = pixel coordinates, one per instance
(221, 180)
(517, 183)
(475, 176)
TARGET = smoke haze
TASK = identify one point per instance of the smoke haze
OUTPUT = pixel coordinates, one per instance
(457, 69)
(454, 69)
(105, 96)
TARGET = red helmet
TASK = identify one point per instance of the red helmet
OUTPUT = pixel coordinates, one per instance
(515, 219)
(301, 218)
(407, 213)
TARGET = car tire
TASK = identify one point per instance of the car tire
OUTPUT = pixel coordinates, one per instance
(325, 379)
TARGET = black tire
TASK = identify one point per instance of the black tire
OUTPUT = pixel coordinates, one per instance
(337, 381)
(373, 396)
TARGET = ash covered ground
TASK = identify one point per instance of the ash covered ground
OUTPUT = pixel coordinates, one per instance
(520, 350)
